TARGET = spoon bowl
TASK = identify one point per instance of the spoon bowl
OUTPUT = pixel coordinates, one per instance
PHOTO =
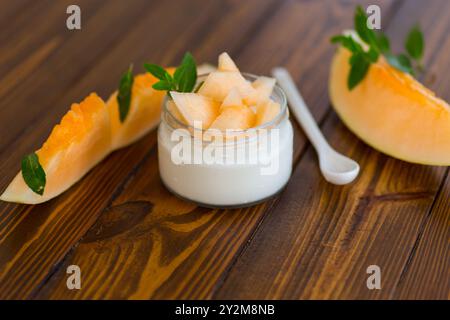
(337, 168)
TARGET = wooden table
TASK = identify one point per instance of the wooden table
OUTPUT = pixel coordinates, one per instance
(133, 239)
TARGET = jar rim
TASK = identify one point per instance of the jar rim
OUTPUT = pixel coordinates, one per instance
(248, 76)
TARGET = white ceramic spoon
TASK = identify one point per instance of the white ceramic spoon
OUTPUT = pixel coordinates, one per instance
(335, 167)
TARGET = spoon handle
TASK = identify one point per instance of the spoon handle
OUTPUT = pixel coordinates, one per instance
(299, 108)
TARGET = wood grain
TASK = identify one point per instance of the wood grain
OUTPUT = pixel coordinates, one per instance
(135, 240)
(178, 251)
(332, 234)
(27, 240)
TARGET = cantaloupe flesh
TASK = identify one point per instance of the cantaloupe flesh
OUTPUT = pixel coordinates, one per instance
(78, 143)
(195, 107)
(144, 113)
(392, 112)
(225, 63)
(218, 84)
(263, 89)
(266, 112)
(234, 118)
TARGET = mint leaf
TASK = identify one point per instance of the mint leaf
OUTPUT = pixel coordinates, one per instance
(33, 174)
(185, 75)
(400, 62)
(359, 68)
(414, 43)
(158, 71)
(366, 34)
(347, 42)
(124, 95)
(162, 85)
(383, 43)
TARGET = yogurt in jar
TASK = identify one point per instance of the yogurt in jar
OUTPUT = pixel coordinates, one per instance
(235, 169)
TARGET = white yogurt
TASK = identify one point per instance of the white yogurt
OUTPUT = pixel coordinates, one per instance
(257, 176)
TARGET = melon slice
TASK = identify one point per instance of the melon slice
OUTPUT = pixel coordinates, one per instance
(78, 143)
(392, 112)
(226, 63)
(263, 89)
(233, 99)
(234, 118)
(219, 84)
(195, 107)
(144, 113)
(266, 111)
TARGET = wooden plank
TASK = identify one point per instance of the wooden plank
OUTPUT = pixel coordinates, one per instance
(34, 23)
(33, 239)
(426, 275)
(330, 235)
(173, 249)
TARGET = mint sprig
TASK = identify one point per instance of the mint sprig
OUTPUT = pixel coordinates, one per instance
(124, 94)
(378, 44)
(33, 174)
(184, 77)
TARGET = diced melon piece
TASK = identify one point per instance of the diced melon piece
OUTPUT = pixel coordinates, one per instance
(266, 111)
(226, 63)
(263, 89)
(195, 107)
(218, 84)
(233, 99)
(173, 109)
(234, 118)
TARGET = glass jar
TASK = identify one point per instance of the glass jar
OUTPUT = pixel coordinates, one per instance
(238, 169)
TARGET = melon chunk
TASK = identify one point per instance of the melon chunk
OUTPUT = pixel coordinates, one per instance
(266, 111)
(195, 107)
(234, 118)
(226, 63)
(233, 99)
(263, 89)
(219, 84)
(173, 110)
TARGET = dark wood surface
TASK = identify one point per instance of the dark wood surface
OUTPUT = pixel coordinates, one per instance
(133, 239)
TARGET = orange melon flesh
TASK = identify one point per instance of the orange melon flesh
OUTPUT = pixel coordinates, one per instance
(219, 83)
(266, 111)
(78, 143)
(234, 118)
(226, 63)
(233, 98)
(144, 113)
(392, 112)
(195, 107)
(263, 89)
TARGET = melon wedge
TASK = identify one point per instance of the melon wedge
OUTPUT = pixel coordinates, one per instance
(78, 143)
(266, 111)
(234, 118)
(392, 112)
(195, 107)
(263, 89)
(226, 63)
(219, 84)
(144, 113)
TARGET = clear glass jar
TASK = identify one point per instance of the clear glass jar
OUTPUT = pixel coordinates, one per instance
(240, 170)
